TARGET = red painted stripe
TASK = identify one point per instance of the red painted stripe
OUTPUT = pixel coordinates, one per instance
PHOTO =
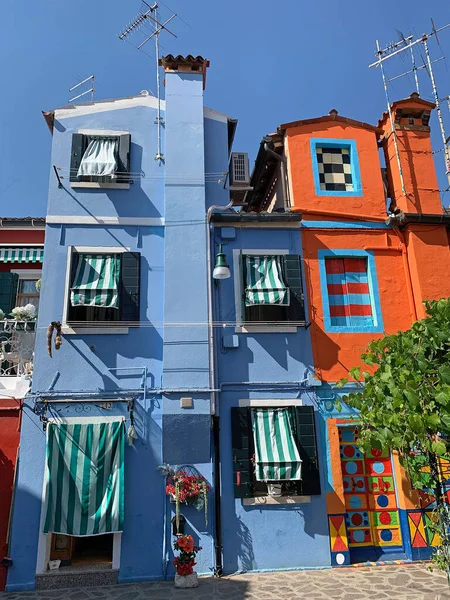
(358, 288)
(339, 289)
(334, 265)
(339, 311)
(360, 310)
(355, 265)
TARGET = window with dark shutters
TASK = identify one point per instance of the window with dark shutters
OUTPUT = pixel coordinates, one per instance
(244, 480)
(129, 295)
(79, 145)
(278, 313)
(8, 291)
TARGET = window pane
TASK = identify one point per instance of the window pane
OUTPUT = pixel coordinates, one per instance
(24, 300)
(348, 292)
(335, 171)
(27, 286)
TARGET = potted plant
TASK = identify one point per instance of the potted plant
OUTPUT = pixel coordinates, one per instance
(185, 576)
(24, 313)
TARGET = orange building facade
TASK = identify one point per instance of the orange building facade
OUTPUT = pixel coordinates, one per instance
(375, 246)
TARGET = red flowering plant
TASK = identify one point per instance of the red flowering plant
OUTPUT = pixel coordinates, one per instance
(185, 486)
(185, 562)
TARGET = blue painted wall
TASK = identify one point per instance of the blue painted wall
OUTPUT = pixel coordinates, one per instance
(173, 291)
(270, 537)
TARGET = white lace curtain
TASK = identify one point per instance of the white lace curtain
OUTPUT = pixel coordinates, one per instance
(100, 158)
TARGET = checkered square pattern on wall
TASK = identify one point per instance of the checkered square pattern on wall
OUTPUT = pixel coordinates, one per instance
(335, 170)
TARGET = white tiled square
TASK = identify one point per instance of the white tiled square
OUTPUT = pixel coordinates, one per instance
(347, 169)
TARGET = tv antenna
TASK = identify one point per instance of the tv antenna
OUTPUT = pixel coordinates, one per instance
(151, 18)
(91, 90)
(394, 49)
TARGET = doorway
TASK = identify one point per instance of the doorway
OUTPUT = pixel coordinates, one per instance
(372, 519)
(82, 551)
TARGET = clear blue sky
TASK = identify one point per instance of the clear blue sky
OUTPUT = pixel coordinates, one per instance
(271, 62)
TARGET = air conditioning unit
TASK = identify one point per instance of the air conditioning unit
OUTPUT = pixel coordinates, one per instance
(239, 171)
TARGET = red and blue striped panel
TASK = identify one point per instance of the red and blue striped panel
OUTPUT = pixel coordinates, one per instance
(348, 292)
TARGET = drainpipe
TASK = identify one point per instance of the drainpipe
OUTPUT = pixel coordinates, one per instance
(283, 163)
(212, 380)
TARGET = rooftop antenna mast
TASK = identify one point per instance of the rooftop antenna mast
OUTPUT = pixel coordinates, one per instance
(395, 49)
(91, 90)
(151, 17)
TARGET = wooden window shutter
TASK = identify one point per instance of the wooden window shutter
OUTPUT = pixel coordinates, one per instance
(124, 159)
(293, 275)
(130, 283)
(8, 292)
(78, 147)
(307, 446)
(242, 444)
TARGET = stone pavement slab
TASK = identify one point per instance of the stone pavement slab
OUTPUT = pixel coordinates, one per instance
(406, 582)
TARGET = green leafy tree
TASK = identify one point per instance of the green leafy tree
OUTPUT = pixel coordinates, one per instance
(404, 404)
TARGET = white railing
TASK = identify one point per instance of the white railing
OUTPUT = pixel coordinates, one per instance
(16, 347)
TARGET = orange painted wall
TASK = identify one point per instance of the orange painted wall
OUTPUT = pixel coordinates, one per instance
(303, 196)
(336, 353)
(429, 261)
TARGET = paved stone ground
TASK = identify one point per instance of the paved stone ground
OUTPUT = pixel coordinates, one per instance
(413, 582)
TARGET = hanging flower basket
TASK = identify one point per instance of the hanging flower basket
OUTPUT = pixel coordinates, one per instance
(185, 485)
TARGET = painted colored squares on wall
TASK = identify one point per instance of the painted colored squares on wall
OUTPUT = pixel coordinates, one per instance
(335, 171)
(348, 292)
(372, 517)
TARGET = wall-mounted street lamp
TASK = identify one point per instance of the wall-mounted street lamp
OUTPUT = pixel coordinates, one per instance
(221, 269)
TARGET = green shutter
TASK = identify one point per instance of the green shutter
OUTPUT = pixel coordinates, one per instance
(130, 286)
(124, 159)
(293, 278)
(8, 291)
(78, 147)
(307, 446)
(242, 444)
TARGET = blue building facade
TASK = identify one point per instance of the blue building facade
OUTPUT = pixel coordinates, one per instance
(267, 365)
(135, 363)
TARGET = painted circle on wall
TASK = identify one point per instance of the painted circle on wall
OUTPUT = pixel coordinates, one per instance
(376, 452)
(349, 451)
(358, 536)
(360, 483)
(386, 535)
(382, 501)
(351, 468)
(355, 502)
(340, 558)
(378, 467)
(357, 519)
(385, 518)
(347, 434)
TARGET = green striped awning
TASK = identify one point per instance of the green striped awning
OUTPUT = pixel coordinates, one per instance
(264, 281)
(85, 478)
(21, 255)
(96, 281)
(276, 454)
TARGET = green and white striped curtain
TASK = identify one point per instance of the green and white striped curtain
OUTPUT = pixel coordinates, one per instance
(85, 478)
(96, 281)
(276, 454)
(21, 255)
(264, 281)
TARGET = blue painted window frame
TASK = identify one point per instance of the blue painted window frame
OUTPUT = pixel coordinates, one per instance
(354, 163)
(378, 326)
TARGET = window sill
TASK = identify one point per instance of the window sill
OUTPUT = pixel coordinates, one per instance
(97, 185)
(266, 500)
(77, 330)
(266, 329)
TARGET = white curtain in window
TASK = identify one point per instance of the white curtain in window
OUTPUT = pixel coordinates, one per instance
(100, 158)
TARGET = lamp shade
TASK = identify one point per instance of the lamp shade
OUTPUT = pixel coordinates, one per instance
(221, 269)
